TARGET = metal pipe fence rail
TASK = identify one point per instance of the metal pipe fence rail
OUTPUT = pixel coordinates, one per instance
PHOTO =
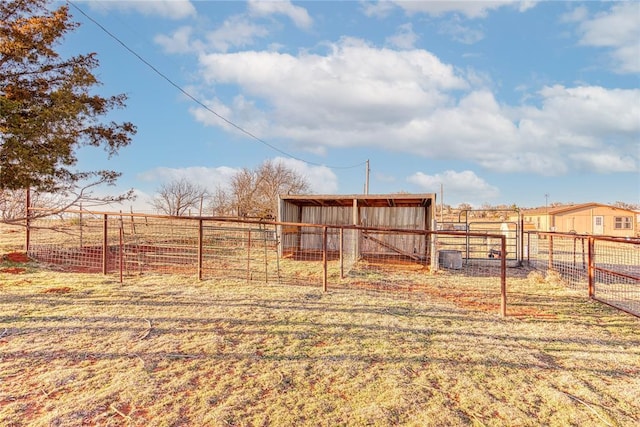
(260, 252)
(607, 268)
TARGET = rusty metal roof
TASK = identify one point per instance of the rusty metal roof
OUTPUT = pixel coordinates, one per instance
(373, 200)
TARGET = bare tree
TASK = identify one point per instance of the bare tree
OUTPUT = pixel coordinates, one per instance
(275, 179)
(243, 187)
(178, 196)
(464, 207)
(13, 203)
(255, 192)
(625, 205)
(221, 203)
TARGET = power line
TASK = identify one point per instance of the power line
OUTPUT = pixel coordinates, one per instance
(197, 101)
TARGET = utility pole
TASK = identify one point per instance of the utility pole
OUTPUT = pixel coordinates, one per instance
(366, 178)
(546, 210)
(441, 202)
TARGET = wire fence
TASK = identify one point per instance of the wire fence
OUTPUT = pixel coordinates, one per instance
(607, 268)
(419, 263)
(465, 266)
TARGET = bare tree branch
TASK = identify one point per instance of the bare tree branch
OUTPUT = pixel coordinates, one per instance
(178, 196)
(255, 193)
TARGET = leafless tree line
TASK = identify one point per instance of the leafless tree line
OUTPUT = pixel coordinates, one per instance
(13, 203)
(251, 193)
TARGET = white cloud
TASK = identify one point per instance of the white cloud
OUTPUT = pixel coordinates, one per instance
(180, 41)
(242, 110)
(297, 14)
(527, 159)
(460, 32)
(379, 9)
(458, 186)
(210, 178)
(605, 162)
(236, 31)
(573, 125)
(405, 37)
(172, 9)
(141, 203)
(577, 14)
(470, 9)
(409, 101)
(353, 88)
(592, 110)
(618, 30)
(321, 179)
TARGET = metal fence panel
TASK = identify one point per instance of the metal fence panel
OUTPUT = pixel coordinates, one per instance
(609, 271)
(616, 274)
(338, 256)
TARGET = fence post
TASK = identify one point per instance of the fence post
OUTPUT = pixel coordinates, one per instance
(503, 277)
(200, 234)
(434, 251)
(80, 227)
(550, 266)
(324, 259)
(341, 252)
(121, 249)
(27, 233)
(521, 225)
(105, 244)
(249, 255)
(266, 253)
(591, 264)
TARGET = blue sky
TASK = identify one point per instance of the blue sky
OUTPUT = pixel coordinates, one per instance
(500, 102)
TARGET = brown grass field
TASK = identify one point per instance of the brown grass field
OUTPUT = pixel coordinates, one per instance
(165, 350)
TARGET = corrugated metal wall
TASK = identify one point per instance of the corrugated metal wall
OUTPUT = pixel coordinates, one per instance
(407, 218)
(310, 238)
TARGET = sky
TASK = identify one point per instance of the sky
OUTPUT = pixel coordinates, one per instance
(480, 102)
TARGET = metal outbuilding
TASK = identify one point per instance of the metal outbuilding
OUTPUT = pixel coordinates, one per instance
(379, 211)
(406, 211)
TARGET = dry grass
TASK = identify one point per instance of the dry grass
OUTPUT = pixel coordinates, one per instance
(79, 349)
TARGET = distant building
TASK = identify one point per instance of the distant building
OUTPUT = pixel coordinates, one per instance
(586, 218)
